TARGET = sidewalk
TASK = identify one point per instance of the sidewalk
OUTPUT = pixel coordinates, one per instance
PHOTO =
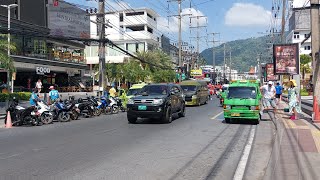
(296, 150)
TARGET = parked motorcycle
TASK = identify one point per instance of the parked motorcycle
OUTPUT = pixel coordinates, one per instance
(120, 104)
(72, 109)
(95, 104)
(60, 111)
(108, 106)
(22, 116)
(44, 113)
(86, 108)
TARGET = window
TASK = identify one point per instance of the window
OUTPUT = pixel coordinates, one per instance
(306, 35)
(134, 28)
(121, 17)
(296, 35)
(242, 92)
(150, 30)
(307, 47)
(134, 13)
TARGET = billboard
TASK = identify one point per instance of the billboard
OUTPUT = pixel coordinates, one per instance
(270, 76)
(286, 58)
(67, 20)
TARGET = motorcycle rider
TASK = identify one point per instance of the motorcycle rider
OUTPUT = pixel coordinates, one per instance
(34, 97)
(53, 94)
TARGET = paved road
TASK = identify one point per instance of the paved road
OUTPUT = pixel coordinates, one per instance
(107, 147)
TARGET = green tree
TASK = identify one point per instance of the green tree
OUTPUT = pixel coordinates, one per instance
(304, 64)
(6, 61)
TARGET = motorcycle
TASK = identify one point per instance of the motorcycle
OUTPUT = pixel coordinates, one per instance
(72, 109)
(44, 113)
(95, 104)
(60, 111)
(108, 106)
(22, 116)
(86, 108)
(120, 104)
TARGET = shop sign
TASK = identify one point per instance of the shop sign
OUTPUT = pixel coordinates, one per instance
(42, 70)
(196, 72)
(286, 59)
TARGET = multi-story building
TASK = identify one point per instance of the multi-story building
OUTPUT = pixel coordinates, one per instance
(40, 36)
(299, 25)
(132, 29)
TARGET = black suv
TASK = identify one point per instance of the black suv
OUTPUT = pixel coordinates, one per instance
(157, 101)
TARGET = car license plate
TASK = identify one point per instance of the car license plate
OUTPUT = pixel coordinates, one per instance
(142, 108)
(235, 114)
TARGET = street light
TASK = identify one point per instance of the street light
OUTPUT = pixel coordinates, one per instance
(9, 14)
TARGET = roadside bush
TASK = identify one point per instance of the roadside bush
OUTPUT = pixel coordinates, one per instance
(23, 96)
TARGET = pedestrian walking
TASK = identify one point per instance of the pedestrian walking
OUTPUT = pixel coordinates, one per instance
(39, 85)
(53, 94)
(293, 97)
(279, 89)
(269, 94)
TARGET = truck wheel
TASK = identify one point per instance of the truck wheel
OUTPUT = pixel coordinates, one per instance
(132, 120)
(168, 116)
(227, 120)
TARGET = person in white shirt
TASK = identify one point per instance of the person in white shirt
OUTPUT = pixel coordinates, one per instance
(269, 95)
(39, 85)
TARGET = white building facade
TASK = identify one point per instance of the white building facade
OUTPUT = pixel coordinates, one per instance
(299, 25)
(132, 30)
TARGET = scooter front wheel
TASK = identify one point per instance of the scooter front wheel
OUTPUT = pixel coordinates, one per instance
(46, 118)
(64, 117)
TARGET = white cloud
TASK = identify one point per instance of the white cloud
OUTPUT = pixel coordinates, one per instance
(247, 14)
(171, 24)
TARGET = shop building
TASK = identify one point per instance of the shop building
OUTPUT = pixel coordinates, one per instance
(43, 39)
(133, 30)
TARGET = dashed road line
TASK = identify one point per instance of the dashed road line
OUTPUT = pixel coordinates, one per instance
(244, 158)
(214, 117)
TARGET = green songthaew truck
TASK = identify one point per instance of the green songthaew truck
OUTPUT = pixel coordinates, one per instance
(242, 101)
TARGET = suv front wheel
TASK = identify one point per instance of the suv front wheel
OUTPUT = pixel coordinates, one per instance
(168, 115)
(132, 119)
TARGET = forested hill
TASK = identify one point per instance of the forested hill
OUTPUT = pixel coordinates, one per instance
(244, 53)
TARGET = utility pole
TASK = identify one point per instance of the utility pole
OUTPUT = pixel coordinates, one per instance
(315, 38)
(102, 56)
(230, 66)
(259, 68)
(198, 34)
(283, 21)
(224, 63)
(213, 56)
(179, 37)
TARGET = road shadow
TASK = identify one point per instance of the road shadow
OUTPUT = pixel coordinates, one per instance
(155, 120)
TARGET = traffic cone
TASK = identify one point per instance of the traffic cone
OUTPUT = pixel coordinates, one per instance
(316, 110)
(9, 122)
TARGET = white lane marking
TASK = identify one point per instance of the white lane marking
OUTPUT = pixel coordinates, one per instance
(244, 158)
(217, 115)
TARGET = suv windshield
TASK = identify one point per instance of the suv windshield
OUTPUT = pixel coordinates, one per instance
(188, 88)
(155, 90)
(242, 92)
(132, 92)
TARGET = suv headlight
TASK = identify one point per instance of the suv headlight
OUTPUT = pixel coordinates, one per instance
(158, 101)
(130, 101)
(227, 107)
(194, 97)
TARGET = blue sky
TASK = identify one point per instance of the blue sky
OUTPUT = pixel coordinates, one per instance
(233, 19)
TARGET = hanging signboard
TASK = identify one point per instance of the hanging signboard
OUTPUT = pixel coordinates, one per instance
(286, 58)
(196, 72)
(270, 76)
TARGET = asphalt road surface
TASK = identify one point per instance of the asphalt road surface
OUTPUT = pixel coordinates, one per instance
(107, 147)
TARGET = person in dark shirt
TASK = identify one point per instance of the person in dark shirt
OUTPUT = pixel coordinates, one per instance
(279, 89)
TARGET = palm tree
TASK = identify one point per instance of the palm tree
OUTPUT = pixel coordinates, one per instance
(304, 64)
(6, 61)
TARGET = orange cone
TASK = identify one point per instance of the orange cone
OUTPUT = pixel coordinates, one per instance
(9, 122)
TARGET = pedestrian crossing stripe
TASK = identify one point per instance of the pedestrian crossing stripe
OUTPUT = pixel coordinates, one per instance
(316, 138)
